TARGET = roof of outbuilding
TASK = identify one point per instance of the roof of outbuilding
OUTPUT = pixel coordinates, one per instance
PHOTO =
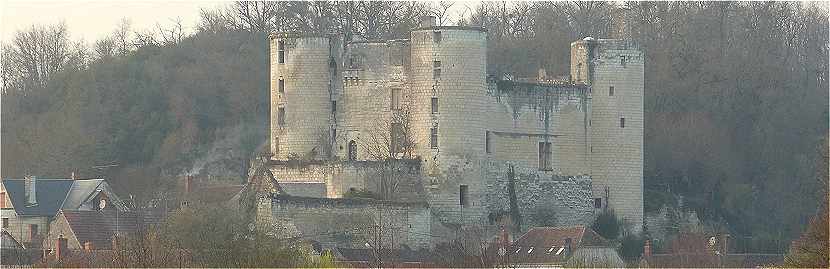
(541, 245)
(50, 196)
(99, 227)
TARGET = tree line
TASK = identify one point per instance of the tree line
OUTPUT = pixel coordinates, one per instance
(735, 93)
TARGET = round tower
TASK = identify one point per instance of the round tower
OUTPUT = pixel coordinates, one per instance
(448, 78)
(302, 69)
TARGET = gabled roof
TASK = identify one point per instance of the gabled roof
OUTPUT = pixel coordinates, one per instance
(7, 241)
(56, 194)
(50, 195)
(547, 245)
(99, 227)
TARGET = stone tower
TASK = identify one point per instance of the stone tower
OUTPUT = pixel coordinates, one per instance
(615, 71)
(303, 79)
(448, 88)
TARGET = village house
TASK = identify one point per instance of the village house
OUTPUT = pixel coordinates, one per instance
(574, 246)
(29, 205)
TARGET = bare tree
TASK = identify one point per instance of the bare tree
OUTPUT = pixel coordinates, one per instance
(36, 54)
(440, 10)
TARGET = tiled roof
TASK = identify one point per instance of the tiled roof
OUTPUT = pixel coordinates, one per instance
(99, 227)
(547, 245)
(50, 195)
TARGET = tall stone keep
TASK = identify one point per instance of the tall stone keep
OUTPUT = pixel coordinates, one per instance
(615, 71)
(303, 80)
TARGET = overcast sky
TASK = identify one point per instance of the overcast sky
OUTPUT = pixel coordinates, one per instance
(92, 20)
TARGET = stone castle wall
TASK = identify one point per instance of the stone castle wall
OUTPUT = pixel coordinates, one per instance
(350, 222)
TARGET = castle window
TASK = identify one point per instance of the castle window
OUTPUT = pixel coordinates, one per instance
(281, 116)
(545, 156)
(433, 137)
(597, 202)
(462, 195)
(281, 51)
(622, 61)
(487, 147)
(434, 105)
(352, 150)
(333, 107)
(276, 145)
(436, 37)
(397, 139)
(281, 85)
(622, 122)
(611, 91)
(436, 73)
(396, 99)
(436, 64)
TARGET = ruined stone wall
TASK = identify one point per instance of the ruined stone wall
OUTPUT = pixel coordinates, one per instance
(616, 140)
(351, 222)
(340, 176)
(542, 199)
(306, 98)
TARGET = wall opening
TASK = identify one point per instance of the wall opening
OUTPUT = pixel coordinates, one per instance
(434, 105)
(396, 99)
(463, 191)
(597, 202)
(352, 154)
(281, 85)
(611, 91)
(433, 137)
(281, 51)
(281, 116)
(622, 122)
(487, 147)
(436, 37)
(545, 156)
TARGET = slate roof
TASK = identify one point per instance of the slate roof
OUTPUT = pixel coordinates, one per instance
(99, 227)
(56, 194)
(50, 196)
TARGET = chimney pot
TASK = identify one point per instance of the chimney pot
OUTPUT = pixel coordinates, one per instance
(647, 248)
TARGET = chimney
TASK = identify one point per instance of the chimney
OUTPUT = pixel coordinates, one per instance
(647, 249)
(30, 189)
(426, 21)
(88, 246)
(188, 183)
(60, 248)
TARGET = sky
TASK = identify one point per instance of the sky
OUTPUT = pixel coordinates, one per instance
(93, 20)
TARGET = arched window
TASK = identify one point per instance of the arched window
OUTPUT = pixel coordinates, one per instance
(352, 150)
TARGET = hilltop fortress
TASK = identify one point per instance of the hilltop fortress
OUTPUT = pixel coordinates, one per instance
(420, 123)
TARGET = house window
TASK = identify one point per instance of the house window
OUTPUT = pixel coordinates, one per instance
(611, 91)
(434, 105)
(281, 85)
(544, 156)
(32, 231)
(281, 116)
(352, 150)
(462, 195)
(396, 99)
(433, 137)
(487, 147)
(5, 222)
(622, 122)
(436, 37)
(281, 52)
(597, 202)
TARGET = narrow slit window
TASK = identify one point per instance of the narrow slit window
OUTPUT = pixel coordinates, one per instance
(622, 61)
(433, 137)
(597, 202)
(281, 116)
(463, 191)
(281, 85)
(333, 107)
(611, 91)
(622, 122)
(281, 51)
(487, 147)
(434, 105)
(544, 156)
(396, 99)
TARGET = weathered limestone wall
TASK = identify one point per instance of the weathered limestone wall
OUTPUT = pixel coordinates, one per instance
(542, 199)
(616, 138)
(364, 108)
(340, 176)
(307, 81)
(352, 222)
